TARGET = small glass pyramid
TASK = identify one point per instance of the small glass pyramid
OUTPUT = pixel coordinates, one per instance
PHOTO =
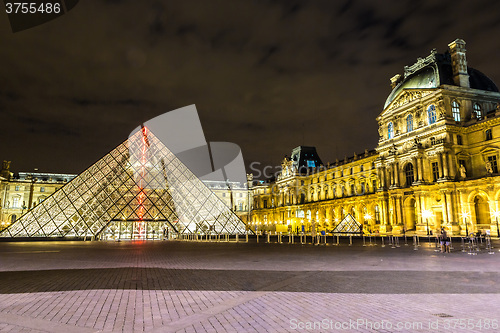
(348, 225)
(138, 190)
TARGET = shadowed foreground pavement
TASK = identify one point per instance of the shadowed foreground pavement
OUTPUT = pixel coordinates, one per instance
(226, 287)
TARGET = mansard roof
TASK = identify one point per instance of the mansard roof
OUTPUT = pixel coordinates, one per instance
(433, 71)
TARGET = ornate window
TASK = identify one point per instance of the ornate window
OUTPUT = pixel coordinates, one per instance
(477, 110)
(431, 114)
(493, 162)
(390, 131)
(435, 170)
(488, 134)
(409, 123)
(455, 110)
(410, 178)
(459, 140)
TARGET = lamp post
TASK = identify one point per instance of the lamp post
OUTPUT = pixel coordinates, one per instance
(465, 215)
(426, 214)
(496, 214)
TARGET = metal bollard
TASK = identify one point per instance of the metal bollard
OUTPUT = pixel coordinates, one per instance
(463, 244)
(382, 237)
(393, 243)
(488, 245)
(415, 246)
(338, 242)
(237, 238)
(292, 238)
(246, 238)
(350, 240)
(257, 237)
(437, 248)
(268, 237)
(364, 241)
(406, 241)
(397, 242)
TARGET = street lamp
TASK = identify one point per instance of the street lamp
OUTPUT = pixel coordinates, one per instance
(496, 214)
(465, 215)
(426, 214)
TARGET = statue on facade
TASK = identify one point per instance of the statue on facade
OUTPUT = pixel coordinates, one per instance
(489, 168)
(463, 172)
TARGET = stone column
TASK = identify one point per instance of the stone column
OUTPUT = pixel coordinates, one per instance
(420, 170)
(440, 165)
(449, 205)
(445, 165)
(444, 206)
(452, 166)
(415, 166)
(396, 173)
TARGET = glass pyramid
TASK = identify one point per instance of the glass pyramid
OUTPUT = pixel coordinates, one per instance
(138, 190)
(348, 225)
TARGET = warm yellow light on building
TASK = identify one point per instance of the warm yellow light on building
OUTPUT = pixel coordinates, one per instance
(426, 213)
(465, 215)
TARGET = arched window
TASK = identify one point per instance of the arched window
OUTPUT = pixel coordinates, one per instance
(410, 178)
(377, 214)
(455, 110)
(390, 131)
(409, 123)
(478, 111)
(431, 114)
(13, 218)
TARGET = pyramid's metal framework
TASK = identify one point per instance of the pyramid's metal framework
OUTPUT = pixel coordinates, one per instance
(348, 225)
(137, 190)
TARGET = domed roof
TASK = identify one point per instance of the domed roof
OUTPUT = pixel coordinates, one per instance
(434, 71)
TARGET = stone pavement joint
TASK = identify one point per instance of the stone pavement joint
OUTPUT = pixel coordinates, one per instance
(41, 324)
(204, 315)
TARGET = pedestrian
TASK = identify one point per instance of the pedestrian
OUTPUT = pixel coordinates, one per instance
(445, 241)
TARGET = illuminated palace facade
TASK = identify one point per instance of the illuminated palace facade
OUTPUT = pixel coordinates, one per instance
(435, 165)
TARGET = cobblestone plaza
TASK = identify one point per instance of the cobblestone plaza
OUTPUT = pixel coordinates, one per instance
(175, 286)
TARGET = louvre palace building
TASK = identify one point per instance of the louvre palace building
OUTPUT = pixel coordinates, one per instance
(435, 164)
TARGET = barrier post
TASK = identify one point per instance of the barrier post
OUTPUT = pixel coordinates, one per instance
(382, 237)
(364, 241)
(415, 246)
(488, 244)
(437, 248)
(350, 240)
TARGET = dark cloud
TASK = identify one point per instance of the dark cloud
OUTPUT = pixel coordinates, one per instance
(266, 74)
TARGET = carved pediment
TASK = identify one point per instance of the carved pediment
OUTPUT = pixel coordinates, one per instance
(407, 96)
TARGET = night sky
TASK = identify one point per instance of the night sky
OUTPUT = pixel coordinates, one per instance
(266, 75)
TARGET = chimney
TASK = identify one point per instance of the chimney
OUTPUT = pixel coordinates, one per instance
(459, 63)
